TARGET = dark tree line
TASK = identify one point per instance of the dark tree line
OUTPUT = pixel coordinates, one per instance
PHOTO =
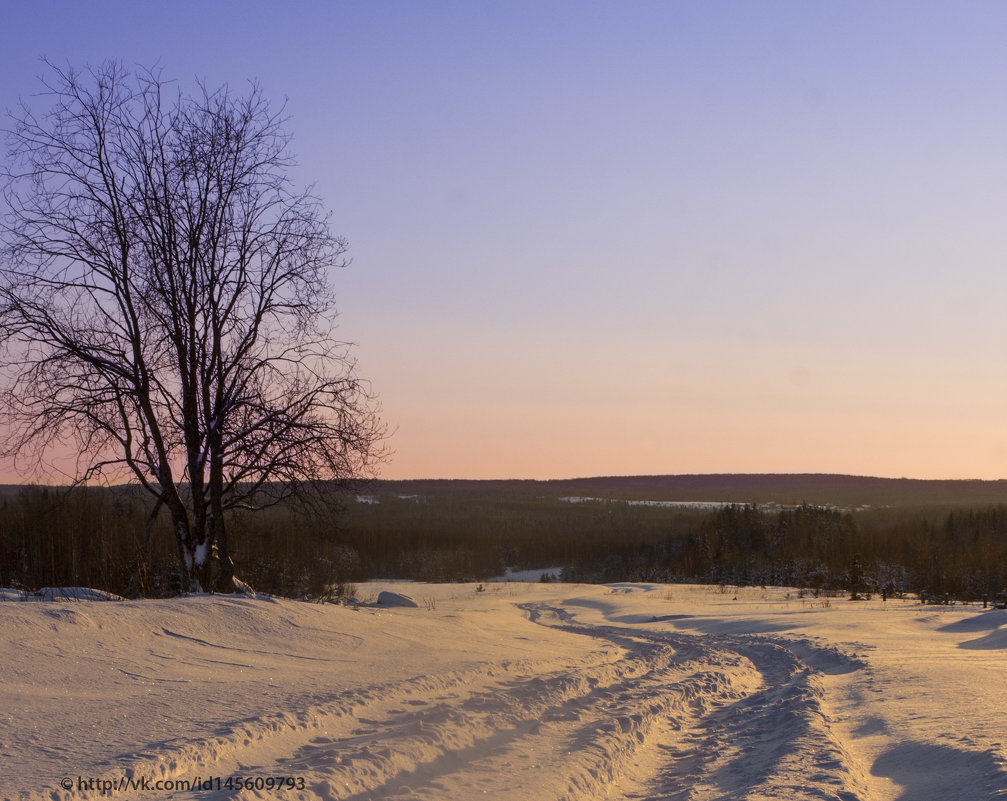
(961, 557)
(96, 538)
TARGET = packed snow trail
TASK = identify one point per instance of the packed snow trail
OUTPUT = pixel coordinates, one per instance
(646, 715)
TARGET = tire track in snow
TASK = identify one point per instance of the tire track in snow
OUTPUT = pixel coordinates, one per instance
(662, 715)
(773, 741)
(564, 735)
(248, 747)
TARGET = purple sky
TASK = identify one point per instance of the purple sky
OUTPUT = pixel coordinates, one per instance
(635, 237)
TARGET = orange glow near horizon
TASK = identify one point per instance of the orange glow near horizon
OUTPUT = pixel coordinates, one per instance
(725, 418)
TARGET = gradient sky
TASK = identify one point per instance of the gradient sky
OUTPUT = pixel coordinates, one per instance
(635, 237)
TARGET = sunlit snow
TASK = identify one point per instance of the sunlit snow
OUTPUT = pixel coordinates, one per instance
(508, 691)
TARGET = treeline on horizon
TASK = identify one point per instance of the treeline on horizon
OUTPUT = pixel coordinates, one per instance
(472, 531)
(823, 489)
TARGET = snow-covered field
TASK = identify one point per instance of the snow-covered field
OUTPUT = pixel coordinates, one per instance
(519, 691)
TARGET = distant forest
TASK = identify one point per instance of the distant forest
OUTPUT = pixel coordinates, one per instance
(943, 540)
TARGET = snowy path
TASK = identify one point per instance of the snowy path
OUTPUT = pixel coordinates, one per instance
(603, 702)
(659, 716)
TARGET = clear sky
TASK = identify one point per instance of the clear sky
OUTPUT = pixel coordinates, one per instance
(634, 237)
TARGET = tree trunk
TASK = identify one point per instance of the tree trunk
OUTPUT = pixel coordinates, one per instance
(225, 578)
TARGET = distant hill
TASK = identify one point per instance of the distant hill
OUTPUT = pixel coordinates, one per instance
(782, 488)
(815, 488)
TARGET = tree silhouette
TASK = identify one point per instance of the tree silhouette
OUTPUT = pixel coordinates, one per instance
(165, 304)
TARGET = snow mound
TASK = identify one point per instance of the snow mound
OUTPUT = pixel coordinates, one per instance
(386, 598)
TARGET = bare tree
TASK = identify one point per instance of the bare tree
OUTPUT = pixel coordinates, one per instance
(165, 304)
